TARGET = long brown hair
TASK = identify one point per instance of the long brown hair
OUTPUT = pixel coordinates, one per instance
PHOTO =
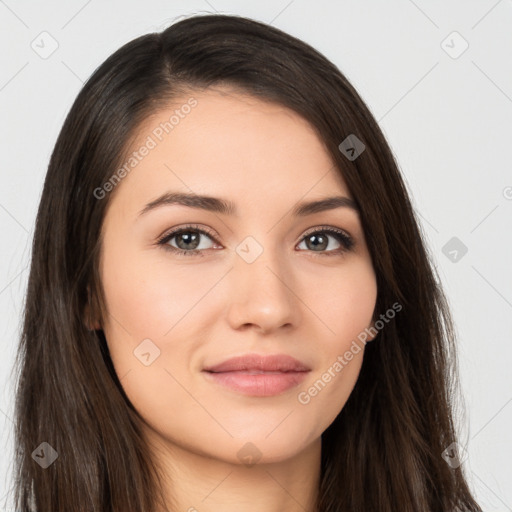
(384, 451)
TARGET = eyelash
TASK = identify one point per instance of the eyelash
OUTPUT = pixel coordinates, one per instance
(345, 240)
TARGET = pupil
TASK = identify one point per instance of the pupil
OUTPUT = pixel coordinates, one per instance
(315, 239)
(189, 237)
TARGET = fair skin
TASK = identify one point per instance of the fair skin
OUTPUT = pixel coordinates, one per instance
(201, 309)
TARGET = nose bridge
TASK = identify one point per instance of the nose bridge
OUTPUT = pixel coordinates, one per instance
(262, 289)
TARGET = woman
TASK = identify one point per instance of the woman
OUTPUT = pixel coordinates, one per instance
(230, 303)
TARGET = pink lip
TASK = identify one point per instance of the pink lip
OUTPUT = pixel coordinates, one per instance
(270, 363)
(258, 375)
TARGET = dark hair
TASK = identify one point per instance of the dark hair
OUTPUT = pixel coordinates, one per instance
(383, 452)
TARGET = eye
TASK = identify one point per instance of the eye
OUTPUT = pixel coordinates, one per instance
(187, 241)
(319, 239)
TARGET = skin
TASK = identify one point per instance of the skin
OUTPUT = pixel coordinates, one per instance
(200, 310)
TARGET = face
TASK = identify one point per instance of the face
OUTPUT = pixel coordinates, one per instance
(189, 287)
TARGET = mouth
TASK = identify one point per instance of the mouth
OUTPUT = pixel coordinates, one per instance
(257, 375)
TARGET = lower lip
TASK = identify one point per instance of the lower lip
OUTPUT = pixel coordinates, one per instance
(258, 384)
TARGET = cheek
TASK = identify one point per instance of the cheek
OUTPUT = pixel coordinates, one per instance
(149, 299)
(146, 302)
(345, 307)
(164, 302)
(344, 302)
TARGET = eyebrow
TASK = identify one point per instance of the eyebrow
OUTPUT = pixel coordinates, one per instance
(222, 206)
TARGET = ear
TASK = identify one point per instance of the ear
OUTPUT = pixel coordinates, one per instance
(89, 319)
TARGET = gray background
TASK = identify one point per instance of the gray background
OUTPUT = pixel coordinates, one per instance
(447, 114)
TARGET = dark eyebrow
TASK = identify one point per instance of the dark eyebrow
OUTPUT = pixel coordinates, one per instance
(216, 205)
(211, 204)
(329, 203)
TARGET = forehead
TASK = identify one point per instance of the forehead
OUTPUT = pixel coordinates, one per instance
(222, 142)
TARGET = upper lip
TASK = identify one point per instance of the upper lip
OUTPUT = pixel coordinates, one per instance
(269, 363)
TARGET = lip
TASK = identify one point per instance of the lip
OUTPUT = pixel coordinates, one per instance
(258, 375)
(256, 362)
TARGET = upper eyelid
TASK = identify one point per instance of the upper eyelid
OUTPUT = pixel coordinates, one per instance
(173, 232)
(325, 228)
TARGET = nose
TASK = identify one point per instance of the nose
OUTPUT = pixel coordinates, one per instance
(262, 295)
